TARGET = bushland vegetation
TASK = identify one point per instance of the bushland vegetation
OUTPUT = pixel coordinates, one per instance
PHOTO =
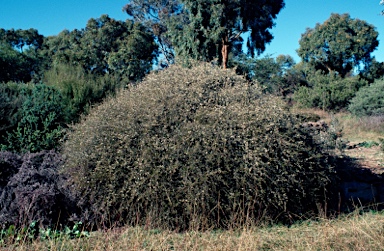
(91, 137)
(368, 101)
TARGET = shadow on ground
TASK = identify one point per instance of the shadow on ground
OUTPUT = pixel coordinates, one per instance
(358, 186)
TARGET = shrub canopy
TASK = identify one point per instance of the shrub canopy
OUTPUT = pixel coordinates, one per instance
(31, 190)
(328, 92)
(194, 148)
(369, 100)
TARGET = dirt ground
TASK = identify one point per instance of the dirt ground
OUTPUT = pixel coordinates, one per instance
(368, 157)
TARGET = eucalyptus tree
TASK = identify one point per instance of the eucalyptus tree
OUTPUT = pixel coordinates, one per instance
(155, 14)
(19, 57)
(64, 47)
(22, 39)
(212, 29)
(207, 29)
(339, 45)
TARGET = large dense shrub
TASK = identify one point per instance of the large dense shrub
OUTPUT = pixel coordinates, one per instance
(328, 92)
(369, 101)
(33, 190)
(189, 148)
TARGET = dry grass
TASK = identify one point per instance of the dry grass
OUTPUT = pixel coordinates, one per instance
(355, 129)
(352, 232)
(361, 129)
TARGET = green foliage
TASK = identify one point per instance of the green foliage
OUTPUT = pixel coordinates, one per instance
(40, 125)
(67, 233)
(19, 39)
(105, 46)
(368, 144)
(7, 233)
(155, 14)
(135, 54)
(11, 101)
(369, 100)
(374, 71)
(205, 30)
(340, 44)
(13, 65)
(194, 148)
(79, 89)
(328, 92)
(13, 235)
(19, 60)
(276, 75)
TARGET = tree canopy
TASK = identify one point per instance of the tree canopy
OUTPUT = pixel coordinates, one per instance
(106, 46)
(339, 45)
(21, 38)
(213, 28)
(19, 60)
(207, 29)
(155, 14)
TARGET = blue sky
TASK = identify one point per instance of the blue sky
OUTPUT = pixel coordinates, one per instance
(50, 17)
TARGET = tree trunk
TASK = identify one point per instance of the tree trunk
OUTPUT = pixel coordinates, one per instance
(224, 51)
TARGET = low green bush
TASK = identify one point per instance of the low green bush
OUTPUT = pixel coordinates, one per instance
(369, 100)
(11, 101)
(368, 144)
(328, 92)
(194, 148)
(381, 144)
(40, 121)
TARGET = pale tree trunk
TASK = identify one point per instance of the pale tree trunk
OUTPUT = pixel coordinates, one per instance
(224, 51)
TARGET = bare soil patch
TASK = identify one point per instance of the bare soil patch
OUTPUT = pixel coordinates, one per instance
(367, 157)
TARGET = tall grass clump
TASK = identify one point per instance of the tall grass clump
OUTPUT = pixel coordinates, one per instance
(193, 149)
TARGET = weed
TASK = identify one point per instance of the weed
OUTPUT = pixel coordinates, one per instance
(368, 144)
